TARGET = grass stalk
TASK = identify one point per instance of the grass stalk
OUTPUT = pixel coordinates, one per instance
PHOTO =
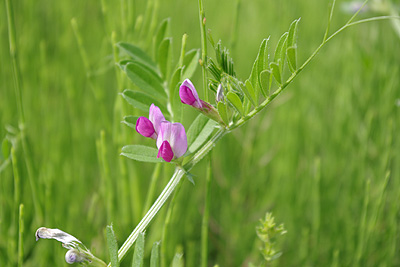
(363, 227)
(17, 183)
(152, 187)
(20, 236)
(18, 94)
(203, 62)
(166, 227)
(105, 169)
(206, 215)
(162, 198)
(235, 26)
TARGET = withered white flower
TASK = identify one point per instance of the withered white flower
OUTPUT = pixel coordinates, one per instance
(77, 251)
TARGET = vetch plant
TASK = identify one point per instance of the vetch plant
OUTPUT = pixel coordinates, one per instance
(160, 88)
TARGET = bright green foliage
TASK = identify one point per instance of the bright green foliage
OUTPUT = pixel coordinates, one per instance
(222, 110)
(137, 54)
(138, 255)
(199, 131)
(178, 260)
(142, 101)
(268, 232)
(130, 121)
(163, 57)
(5, 148)
(141, 153)
(146, 79)
(341, 111)
(162, 33)
(190, 61)
(112, 246)
(236, 102)
(259, 65)
(291, 50)
(155, 255)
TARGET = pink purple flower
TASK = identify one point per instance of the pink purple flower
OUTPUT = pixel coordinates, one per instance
(149, 127)
(171, 141)
(171, 137)
(188, 94)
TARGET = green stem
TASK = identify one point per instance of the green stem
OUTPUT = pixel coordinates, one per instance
(206, 216)
(105, 170)
(235, 27)
(168, 190)
(152, 188)
(202, 18)
(18, 94)
(165, 194)
(269, 99)
(20, 236)
(166, 226)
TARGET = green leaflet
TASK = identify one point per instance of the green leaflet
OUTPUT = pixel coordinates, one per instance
(155, 255)
(141, 153)
(235, 101)
(137, 54)
(280, 50)
(138, 254)
(292, 36)
(258, 66)
(200, 130)
(265, 76)
(190, 61)
(112, 246)
(130, 121)
(145, 79)
(291, 50)
(160, 35)
(174, 95)
(178, 260)
(223, 112)
(142, 101)
(276, 71)
(163, 57)
(249, 92)
(292, 58)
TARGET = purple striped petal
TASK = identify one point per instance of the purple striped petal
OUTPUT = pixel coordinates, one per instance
(145, 127)
(165, 152)
(156, 117)
(188, 94)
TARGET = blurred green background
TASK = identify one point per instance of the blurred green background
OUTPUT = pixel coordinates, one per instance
(308, 158)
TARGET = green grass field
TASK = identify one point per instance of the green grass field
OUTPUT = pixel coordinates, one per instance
(324, 157)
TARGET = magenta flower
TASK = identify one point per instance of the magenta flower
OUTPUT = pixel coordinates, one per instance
(189, 96)
(171, 141)
(171, 137)
(150, 127)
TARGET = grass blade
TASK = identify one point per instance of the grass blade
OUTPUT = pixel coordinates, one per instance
(112, 246)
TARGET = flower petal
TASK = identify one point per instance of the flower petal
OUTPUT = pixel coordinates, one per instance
(178, 139)
(188, 94)
(164, 133)
(156, 117)
(145, 127)
(165, 152)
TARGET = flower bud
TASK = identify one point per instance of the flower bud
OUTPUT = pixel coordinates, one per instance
(220, 94)
(73, 256)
